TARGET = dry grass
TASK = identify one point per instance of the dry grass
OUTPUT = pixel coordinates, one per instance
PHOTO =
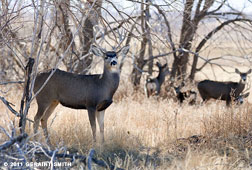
(143, 133)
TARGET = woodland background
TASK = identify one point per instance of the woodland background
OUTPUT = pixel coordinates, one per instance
(198, 39)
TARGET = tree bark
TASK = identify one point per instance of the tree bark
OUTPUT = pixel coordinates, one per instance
(62, 22)
(179, 66)
(150, 51)
(38, 27)
(136, 74)
(189, 28)
(88, 34)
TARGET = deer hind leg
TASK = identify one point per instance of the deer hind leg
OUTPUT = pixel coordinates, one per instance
(100, 119)
(41, 109)
(91, 116)
(228, 101)
(45, 117)
(146, 90)
(157, 90)
(204, 101)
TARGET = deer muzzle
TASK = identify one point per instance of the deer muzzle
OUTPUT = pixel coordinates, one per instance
(113, 62)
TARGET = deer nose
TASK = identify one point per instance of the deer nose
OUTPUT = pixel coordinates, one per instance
(113, 63)
(240, 101)
(244, 78)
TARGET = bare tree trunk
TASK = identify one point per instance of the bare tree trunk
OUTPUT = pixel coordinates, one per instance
(187, 32)
(62, 22)
(189, 28)
(88, 34)
(38, 27)
(25, 102)
(147, 22)
(136, 74)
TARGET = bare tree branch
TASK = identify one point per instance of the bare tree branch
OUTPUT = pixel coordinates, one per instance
(207, 37)
(8, 144)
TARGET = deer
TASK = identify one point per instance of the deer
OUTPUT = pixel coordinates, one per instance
(93, 93)
(153, 85)
(183, 95)
(228, 91)
(240, 99)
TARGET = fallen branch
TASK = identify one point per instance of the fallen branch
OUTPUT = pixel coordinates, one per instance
(13, 141)
(82, 158)
(90, 158)
(60, 155)
(11, 82)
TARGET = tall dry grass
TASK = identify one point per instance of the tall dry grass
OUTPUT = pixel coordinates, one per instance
(144, 133)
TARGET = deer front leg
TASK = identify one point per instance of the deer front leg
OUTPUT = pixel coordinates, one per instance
(91, 116)
(100, 119)
(228, 101)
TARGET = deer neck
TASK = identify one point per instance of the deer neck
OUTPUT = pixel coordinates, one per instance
(161, 77)
(111, 78)
(241, 86)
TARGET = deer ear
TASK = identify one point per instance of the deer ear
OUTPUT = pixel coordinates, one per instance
(124, 50)
(158, 64)
(237, 71)
(96, 51)
(249, 71)
(246, 95)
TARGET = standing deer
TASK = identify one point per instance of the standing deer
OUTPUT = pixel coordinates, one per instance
(153, 86)
(91, 92)
(227, 91)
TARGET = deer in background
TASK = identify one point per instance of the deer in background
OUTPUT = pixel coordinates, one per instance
(240, 99)
(183, 95)
(91, 92)
(227, 91)
(153, 86)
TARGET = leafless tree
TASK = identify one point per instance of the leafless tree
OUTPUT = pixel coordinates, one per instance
(195, 13)
(183, 34)
(59, 33)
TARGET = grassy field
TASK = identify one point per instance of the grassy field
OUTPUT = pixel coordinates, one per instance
(155, 133)
(142, 133)
(152, 133)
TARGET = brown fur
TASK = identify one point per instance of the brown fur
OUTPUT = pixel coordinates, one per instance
(222, 90)
(153, 86)
(91, 92)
